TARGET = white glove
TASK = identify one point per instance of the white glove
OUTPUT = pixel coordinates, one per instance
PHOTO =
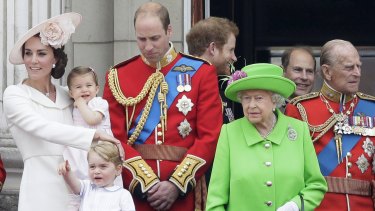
(289, 206)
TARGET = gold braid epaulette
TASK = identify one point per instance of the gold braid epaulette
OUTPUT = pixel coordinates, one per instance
(322, 128)
(365, 96)
(298, 99)
(196, 58)
(150, 87)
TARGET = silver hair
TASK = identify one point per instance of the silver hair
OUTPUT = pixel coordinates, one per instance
(276, 98)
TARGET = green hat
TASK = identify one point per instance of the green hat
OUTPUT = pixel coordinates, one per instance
(260, 76)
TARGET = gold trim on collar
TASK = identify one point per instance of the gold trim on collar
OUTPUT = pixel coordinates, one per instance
(167, 59)
(300, 98)
(334, 95)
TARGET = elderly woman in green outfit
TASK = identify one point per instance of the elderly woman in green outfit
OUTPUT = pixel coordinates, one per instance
(266, 160)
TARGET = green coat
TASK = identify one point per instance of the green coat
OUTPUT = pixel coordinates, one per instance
(251, 173)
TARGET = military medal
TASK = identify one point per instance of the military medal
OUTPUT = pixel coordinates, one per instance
(368, 147)
(184, 105)
(180, 83)
(187, 81)
(184, 129)
(362, 163)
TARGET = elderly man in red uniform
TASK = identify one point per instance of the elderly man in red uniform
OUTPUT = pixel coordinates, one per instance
(2, 174)
(341, 121)
(165, 108)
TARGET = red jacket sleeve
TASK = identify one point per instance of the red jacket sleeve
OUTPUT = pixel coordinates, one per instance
(2, 174)
(208, 124)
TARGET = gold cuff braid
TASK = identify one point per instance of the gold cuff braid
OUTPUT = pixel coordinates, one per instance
(185, 172)
(141, 172)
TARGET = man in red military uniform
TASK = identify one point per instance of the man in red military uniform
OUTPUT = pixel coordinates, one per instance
(2, 174)
(165, 108)
(341, 121)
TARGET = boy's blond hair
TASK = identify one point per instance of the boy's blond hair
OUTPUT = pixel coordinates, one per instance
(108, 151)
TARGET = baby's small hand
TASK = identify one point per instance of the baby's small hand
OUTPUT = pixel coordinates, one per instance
(64, 168)
(79, 101)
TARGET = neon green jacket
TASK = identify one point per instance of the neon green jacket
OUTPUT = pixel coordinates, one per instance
(252, 173)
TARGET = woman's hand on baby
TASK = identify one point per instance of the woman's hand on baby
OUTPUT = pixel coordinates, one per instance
(103, 136)
(64, 168)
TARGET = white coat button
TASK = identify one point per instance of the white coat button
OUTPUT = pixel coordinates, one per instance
(267, 145)
(268, 203)
(267, 163)
(269, 183)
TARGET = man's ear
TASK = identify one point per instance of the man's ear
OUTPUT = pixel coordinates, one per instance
(212, 48)
(326, 72)
(284, 70)
(169, 31)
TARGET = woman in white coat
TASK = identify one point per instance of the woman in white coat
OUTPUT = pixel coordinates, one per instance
(39, 114)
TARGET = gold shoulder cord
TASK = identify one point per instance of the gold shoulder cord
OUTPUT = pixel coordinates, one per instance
(323, 128)
(149, 88)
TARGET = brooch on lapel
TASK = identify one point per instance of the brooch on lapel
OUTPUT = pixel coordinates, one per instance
(292, 133)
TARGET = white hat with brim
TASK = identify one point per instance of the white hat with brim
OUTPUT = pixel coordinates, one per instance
(261, 76)
(15, 56)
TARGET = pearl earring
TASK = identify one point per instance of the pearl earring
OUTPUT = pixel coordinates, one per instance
(53, 66)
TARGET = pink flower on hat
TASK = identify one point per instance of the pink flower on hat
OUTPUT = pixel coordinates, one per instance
(238, 74)
(57, 34)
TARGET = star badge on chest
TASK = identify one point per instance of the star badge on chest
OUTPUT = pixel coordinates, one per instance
(368, 147)
(362, 163)
(184, 105)
(184, 129)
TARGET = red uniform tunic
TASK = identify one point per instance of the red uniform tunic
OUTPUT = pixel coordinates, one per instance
(357, 163)
(2, 174)
(204, 118)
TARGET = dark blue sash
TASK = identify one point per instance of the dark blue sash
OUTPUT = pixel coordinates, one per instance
(328, 156)
(154, 115)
